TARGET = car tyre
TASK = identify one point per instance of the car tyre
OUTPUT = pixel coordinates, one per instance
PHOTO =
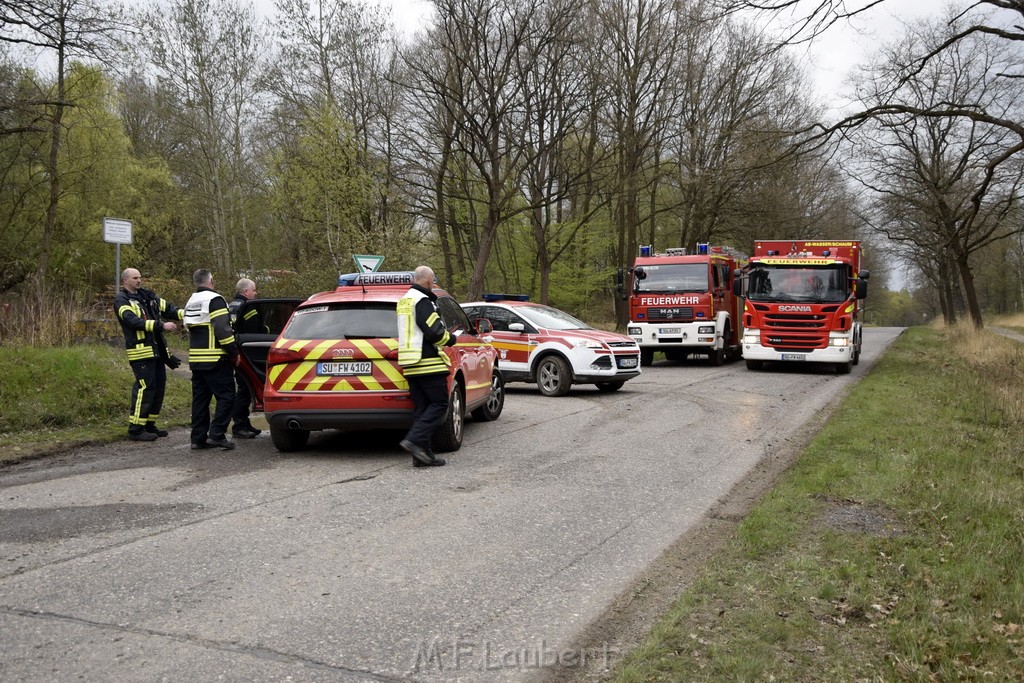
(553, 376)
(495, 401)
(608, 387)
(448, 437)
(289, 440)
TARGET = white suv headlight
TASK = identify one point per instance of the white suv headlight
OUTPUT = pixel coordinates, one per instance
(588, 345)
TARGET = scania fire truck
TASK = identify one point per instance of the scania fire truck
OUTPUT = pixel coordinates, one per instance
(683, 303)
(802, 303)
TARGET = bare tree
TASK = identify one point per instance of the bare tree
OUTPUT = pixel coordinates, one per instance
(208, 56)
(946, 183)
(465, 77)
(642, 38)
(557, 86)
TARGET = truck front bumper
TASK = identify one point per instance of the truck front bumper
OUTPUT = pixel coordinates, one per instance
(701, 333)
(839, 350)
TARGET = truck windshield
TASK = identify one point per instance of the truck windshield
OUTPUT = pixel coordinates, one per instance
(822, 284)
(676, 277)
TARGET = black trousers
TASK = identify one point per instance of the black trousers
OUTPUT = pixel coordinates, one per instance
(147, 393)
(216, 381)
(243, 403)
(430, 406)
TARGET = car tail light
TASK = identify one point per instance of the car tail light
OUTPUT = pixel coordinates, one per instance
(279, 356)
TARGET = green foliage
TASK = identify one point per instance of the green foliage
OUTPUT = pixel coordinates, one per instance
(321, 190)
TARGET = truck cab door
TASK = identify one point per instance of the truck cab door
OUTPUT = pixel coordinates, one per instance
(257, 326)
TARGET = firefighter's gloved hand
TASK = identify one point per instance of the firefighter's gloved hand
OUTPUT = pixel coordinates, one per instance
(173, 362)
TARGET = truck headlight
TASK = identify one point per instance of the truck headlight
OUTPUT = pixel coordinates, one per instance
(706, 329)
(751, 339)
(839, 341)
(633, 331)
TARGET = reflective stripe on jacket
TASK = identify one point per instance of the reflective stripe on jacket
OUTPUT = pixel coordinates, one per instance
(421, 334)
(210, 337)
(141, 314)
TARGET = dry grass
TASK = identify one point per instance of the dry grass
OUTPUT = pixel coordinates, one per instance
(58, 321)
(996, 362)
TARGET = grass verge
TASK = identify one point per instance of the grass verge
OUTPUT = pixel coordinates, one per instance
(891, 551)
(54, 398)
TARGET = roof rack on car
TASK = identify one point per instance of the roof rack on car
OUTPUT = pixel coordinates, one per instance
(506, 297)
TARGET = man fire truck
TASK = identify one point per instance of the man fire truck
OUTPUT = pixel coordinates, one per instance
(802, 303)
(683, 303)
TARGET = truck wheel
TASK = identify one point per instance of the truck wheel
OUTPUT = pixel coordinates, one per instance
(448, 437)
(289, 440)
(844, 368)
(553, 376)
(608, 387)
(646, 357)
(754, 364)
(718, 356)
(495, 401)
(856, 354)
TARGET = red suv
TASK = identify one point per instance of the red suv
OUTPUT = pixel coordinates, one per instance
(335, 364)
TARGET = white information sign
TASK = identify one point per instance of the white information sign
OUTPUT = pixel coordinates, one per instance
(117, 231)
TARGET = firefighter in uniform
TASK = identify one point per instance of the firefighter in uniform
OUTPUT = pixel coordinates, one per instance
(421, 337)
(211, 355)
(249, 323)
(141, 314)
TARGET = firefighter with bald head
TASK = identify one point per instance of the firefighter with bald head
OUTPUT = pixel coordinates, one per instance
(144, 317)
(422, 336)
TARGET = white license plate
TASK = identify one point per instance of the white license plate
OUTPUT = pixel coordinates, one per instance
(669, 330)
(347, 368)
(627, 362)
(794, 356)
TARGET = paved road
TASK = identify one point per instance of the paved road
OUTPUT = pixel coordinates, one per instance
(343, 563)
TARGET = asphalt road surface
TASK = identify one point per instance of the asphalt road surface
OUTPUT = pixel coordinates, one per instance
(344, 563)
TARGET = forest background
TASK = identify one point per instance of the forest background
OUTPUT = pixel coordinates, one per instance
(524, 146)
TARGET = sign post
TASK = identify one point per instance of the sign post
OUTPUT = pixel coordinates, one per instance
(117, 231)
(367, 263)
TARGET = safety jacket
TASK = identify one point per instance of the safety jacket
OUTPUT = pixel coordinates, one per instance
(250, 323)
(209, 332)
(421, 334)
(141, 314)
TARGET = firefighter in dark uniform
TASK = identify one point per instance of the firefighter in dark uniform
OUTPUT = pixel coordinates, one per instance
(421, 336)
(141, 314)
(211, 355)
(249, 323)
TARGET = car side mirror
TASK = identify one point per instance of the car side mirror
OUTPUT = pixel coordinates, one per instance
(484, 326)
(516, 327)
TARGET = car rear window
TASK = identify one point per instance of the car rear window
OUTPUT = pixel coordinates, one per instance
(344, 321)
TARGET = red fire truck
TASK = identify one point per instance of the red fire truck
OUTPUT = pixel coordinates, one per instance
(683, 303)
(802, 303)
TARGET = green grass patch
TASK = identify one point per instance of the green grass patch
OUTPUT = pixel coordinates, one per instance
(890, 551)
(53, 397)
